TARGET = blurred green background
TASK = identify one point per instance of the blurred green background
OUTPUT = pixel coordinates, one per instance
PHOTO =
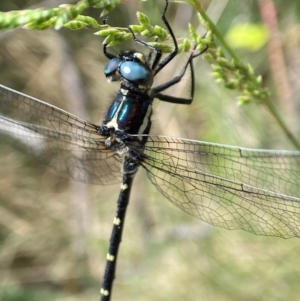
(54, 232)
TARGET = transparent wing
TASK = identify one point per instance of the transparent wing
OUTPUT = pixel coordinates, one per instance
(60, 139)
(230, 187)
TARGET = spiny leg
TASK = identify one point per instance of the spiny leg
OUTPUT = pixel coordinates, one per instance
(151, 47)
(156, 90)
(156, 65)
(170, 57)
(106, 53)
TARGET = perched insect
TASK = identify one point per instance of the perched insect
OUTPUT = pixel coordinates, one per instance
(230, 187)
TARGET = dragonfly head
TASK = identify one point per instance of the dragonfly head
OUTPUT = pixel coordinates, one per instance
(130, 67)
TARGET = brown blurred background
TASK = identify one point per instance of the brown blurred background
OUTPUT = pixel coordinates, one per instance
(54, 232)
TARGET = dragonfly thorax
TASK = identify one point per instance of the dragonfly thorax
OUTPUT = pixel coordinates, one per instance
(130, 113)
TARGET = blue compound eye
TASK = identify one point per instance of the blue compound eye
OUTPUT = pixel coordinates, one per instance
(112, 66)
(136, 73)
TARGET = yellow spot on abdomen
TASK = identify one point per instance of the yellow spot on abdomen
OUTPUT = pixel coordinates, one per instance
(104, 292)
(117, 221)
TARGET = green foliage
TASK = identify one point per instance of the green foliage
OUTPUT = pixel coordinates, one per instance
(69, 16)
(57, 17)
(248, 36)
(228, 70)
(235, 75)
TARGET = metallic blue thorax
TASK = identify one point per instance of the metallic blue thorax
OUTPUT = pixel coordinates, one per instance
(130, 112)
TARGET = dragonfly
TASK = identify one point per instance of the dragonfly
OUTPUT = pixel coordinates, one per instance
(227, 186)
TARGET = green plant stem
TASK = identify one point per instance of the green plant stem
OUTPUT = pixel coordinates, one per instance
(281, 123)
(214, 28)
(272, 110)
